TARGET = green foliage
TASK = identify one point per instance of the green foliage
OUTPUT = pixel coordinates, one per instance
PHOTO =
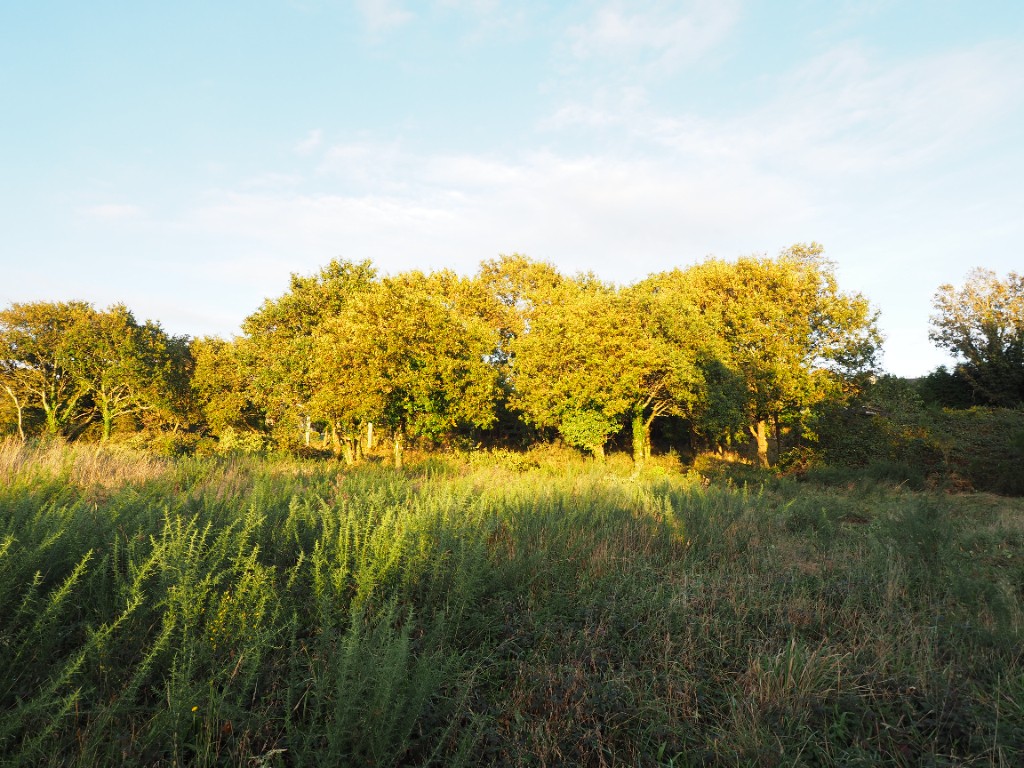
(518, 352)
(36, 352)
(982, 323)
(782, 339)
(279, 364)
(408, 353)
(588, 430)
(220, 382)
(947, 389)
(232, 441)
(891, 432)
(983, 448)
(66, 366)
(570, 360)
(606, 356)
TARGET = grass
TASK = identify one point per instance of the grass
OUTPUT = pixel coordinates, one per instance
(507, 610)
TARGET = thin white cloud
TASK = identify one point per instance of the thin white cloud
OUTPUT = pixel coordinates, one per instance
(835, 152)
(310, 144)
(383, 15)
(631, 215)
(477, 7)
(845, 112)
(842, 113)
(113, 212)
(488, 17)
(665, 33)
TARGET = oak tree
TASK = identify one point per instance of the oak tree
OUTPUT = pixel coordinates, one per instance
(410, 353)
(787, 330)
(982, 324)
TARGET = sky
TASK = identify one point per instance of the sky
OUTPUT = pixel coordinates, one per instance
(185, 158)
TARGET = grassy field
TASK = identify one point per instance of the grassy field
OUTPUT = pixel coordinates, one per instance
(520, 610)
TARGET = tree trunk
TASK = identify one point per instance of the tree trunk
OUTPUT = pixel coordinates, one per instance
(335, 440)
(369, 436)
(760, 433)
(18, 406)
(308, 429)
(348, 452)
(398, 449)
(598, 451)
(52, 425)
(108, 421)
(639, 438)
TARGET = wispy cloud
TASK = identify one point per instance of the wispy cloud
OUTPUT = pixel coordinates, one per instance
(841, 113)
(846, 112)
(633, 215)
(834, 151)
(489, 17)
(383, 15)
(113, 212)
(477, 7)
(311, 143)
(665, 34)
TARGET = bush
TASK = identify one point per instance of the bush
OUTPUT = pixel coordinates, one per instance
(894, 438)
(588, 430)
(231, 441)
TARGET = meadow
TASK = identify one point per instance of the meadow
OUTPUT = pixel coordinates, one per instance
(508, 609)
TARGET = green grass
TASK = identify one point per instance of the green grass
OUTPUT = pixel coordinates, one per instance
(509, 610)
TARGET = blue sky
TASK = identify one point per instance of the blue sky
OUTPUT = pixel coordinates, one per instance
(185, 157)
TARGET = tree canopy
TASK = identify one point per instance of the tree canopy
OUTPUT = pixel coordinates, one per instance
(756, 344)
(410, 353)
(982, 325)
(70, 366)
(783, 328)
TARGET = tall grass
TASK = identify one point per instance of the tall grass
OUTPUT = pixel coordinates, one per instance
(535, 610)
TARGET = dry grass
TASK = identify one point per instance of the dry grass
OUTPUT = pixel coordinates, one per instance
(87, 466)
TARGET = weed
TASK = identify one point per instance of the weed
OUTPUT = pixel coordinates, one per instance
(498, 609)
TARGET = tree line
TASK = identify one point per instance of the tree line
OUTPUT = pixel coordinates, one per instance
(756, 349)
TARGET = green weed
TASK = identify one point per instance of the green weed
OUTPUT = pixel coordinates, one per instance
(272, 611)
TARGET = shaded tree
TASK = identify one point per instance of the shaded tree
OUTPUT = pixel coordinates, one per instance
(982, 324)
(947, 388)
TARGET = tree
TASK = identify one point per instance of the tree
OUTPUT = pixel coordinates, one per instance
(277, 353)
(37, 351)
(786, 329)
(982, 324)
(564, 364)
(74, 365)
(219, 383)
(947, 389)
(595, 357)
(124, 367)
(409, 352)
(517, 285)
(675, 361)
(15, 399)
